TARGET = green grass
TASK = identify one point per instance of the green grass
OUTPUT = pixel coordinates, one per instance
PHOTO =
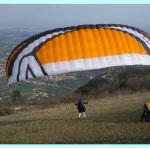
(74, 84)
(109, 120)
(68, 87)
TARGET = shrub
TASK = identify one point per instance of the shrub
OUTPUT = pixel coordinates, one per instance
(135, 83)
(5, 111)
(17, 97)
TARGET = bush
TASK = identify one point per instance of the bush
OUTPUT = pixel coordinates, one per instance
(5, 111)
(135, 83)
(17, 97)
(147, 82)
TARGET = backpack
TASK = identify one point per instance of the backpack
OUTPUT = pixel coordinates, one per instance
(81, 105)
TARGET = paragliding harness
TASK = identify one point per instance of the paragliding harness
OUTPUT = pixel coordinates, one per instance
(146, 112)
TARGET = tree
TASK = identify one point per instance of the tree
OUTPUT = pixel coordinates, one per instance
(17, 97)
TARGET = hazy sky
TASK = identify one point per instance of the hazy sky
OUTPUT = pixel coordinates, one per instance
(52, 16)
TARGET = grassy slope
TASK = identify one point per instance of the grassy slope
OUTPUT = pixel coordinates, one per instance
(110, 120)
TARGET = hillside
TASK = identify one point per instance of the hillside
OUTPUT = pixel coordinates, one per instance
(110, 120)
(118, 80)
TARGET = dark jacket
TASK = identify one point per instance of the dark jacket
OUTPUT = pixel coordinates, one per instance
(81, 106)
(145, 114)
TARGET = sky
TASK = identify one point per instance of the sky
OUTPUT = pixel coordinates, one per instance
(53, 16)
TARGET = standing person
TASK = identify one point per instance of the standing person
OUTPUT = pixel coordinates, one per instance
(146, 112)
(81, 108)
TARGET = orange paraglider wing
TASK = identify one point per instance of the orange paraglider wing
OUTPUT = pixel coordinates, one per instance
(78, 48)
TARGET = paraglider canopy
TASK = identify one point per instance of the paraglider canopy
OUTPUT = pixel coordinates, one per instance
(78, 48)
